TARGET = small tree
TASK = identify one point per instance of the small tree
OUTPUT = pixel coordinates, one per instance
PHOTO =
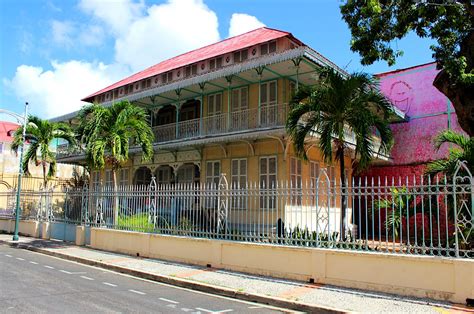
(107, 133)
(332, 108)
(463, 150)
(40, 135)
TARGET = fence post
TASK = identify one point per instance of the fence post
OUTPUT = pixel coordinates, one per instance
(459, 217)
(223, 205)
(152, 202)
(85, 205)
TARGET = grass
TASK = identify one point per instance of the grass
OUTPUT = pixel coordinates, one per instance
(138, 222)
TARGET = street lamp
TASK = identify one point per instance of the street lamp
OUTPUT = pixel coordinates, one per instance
(23, 120)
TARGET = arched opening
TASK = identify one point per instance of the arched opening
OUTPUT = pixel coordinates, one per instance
(165, 115)
(164, 175)
(142, 176)
(189, 118)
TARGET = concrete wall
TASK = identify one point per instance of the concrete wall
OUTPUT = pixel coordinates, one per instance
(437, 278)
(411, 90)
(26, 227)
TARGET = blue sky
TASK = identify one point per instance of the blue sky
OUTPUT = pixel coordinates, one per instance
(54, 52)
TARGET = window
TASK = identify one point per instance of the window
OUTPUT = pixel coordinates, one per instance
(268, 177)
(148, 83)
(213, 171)
(142, 176)
(239, 119)
(143, 84)
(295, 181)
(314, 175)
(124, 176)
(166, 77)
(190, 70)
(164, 175)
(240, 56)
(314, 172)
(130, 88)
(268, 48)
(239, 182)
(95, 179)
(109, 179)
(268, 103)
(116, 93)
(186, 174)
(215, 64)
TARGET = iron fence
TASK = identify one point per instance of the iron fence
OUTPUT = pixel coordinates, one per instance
(412, 215)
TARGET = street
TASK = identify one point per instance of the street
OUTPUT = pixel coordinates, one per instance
(32, 282)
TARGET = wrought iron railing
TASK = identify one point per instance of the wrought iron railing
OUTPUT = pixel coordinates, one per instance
(223, 123)
(413, 215)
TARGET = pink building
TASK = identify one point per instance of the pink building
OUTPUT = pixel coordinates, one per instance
(428, 112)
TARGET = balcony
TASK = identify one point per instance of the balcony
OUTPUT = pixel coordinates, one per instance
(273, 116)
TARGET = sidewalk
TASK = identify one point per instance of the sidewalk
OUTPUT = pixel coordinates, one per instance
(277, 292)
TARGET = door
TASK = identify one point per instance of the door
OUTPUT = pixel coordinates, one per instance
(268, 104)
(240, 114)
(214, 117)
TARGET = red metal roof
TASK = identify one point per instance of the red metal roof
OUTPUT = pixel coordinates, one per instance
(5, 128)
(242, 41)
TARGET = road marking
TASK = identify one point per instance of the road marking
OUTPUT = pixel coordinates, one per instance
(35, 263)
(186, 309)
(7, 255)
(255, 307)
(87, 278)
(168, 300)
(50, 267)
(65, 271)
(109, 284)
(20, 259)
(171, 305)
(209, 311)
(137, 292)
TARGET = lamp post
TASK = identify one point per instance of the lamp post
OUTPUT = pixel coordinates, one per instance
(23, 120)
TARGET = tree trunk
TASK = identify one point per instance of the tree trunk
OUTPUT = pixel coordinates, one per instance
(461, 95)
(115, 197)
(462, 98)
(343, 191)
(45, 181)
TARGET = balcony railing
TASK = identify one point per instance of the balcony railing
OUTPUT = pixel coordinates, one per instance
(224, 123)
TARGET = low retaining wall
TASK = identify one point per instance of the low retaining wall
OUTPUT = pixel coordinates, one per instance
(27, 227)
(420, 276)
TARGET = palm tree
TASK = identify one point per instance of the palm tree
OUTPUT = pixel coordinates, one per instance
(40, 135)
(331, 109)
(463, 150)
(107, 133)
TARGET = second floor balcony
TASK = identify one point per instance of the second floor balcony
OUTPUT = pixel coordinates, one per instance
(265, 117)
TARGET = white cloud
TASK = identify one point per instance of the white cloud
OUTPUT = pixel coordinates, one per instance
(62, 32)
(241, 23)
(144, 35)
(92, 35)
(117, 14)
(167, 30)
(58, 91)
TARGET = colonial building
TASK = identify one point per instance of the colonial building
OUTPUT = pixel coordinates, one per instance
(221, 109)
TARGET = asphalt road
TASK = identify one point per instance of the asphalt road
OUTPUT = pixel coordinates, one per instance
(34, 283)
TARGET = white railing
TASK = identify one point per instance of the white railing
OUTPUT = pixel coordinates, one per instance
(224, 123)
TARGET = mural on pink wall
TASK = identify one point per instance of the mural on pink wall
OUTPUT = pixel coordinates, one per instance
(429, 112)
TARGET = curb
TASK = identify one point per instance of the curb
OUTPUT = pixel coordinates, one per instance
(184, 283)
